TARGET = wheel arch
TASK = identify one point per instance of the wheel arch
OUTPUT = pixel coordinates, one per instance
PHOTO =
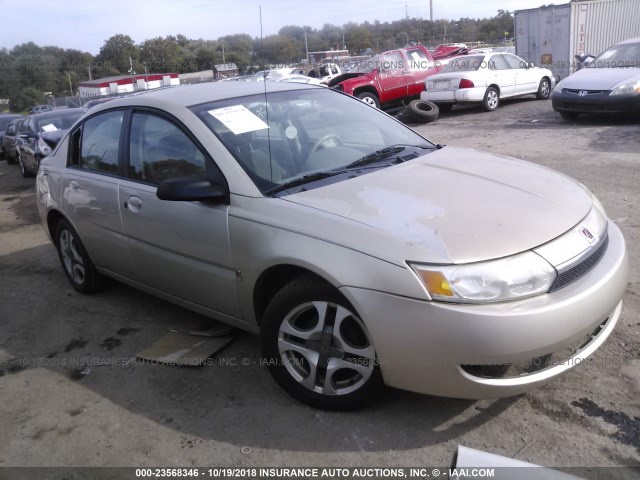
(273, 279)
(53, 217)
(497, 87)
(368, 89)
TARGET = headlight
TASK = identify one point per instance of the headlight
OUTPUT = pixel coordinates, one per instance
(558, 88)
(626, 88)
(509, 278)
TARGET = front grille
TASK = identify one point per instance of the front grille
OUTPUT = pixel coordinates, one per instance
(586, 92)
(577, 271)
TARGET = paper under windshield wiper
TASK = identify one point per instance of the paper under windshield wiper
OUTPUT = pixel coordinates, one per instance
(383, 154)
(312, 177)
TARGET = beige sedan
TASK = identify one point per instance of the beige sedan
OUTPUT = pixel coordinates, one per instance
(363, 254)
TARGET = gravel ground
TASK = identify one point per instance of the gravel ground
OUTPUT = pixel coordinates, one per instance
(231, 413)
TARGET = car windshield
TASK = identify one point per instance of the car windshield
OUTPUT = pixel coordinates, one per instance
(299, 136)
(5, 121)
(619, 56)
(59, 121)
(469, 63)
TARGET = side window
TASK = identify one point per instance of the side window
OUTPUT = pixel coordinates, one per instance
(100, 141)
(159, 150)
(497, 62)
(10, 129)
(27, 126)
(513, 61)
(393, 62)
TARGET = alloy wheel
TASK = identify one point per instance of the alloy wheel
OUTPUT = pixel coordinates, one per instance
(326, 348)
(73, 262)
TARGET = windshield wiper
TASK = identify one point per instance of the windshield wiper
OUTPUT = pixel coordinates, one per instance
(312, 177)
(384, 153)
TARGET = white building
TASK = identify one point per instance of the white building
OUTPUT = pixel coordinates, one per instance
(126, 84)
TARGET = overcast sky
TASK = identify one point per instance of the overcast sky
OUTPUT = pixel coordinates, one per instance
(86, 24)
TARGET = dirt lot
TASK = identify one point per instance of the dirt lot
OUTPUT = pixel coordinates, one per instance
(135, 414)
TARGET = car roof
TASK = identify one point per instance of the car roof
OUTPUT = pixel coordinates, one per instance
(55, 113)
(189, 95)
(630, 40)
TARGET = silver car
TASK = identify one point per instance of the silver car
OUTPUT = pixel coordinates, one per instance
(610, 84)
(363, 254)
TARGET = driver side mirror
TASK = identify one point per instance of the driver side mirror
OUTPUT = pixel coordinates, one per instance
(191, 189)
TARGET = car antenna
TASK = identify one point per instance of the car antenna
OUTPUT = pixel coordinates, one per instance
(266, 104)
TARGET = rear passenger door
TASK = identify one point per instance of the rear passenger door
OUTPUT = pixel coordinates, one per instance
(179, 248)
(90, 190)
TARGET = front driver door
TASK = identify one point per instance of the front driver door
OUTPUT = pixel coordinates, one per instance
(393, 78)
(179, 248)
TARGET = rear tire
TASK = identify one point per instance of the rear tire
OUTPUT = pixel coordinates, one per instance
(317, 349)
(491, 99)
(423, 111)
(75, 261)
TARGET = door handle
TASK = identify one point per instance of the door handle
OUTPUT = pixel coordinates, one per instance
(133, 203)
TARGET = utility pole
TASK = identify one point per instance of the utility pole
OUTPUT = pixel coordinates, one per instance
(70, 86)
(132, 73)
(431, 10)
(223, 54)
(306, 46)
(89, 68)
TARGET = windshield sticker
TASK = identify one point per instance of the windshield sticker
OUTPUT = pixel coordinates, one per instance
(238, 119)
(50, 128)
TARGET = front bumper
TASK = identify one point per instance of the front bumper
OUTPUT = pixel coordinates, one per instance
(598, 103)
(422, 345)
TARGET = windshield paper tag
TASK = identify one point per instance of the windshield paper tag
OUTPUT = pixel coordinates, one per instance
(238, 119)
(49, 128)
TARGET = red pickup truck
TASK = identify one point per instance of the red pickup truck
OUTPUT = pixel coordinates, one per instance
(390, 77)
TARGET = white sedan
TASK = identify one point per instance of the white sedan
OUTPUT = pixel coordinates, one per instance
(486, 78)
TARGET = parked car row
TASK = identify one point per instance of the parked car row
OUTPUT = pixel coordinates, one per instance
(608, 84)
(27, 140)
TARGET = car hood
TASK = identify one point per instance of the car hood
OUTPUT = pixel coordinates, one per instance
(452, 206)
(599, 78)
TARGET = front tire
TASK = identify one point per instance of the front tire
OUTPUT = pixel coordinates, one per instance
(317, 348)
(76, 263)
(544, 89)
(491, 99)
(370, 99)
(23, 171)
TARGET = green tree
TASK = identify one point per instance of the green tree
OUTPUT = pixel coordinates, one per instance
(115, 54)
